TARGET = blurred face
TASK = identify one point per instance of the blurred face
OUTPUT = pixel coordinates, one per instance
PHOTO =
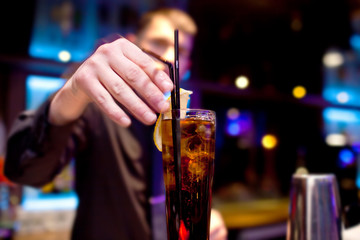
(158, 37)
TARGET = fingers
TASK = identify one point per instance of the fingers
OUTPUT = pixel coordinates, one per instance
(147, 64)
(99, 95)
(121, 91)
(130, 62)
(143, 84)
(121, 71)
(138, 69)
(218, 234)
(218, 229)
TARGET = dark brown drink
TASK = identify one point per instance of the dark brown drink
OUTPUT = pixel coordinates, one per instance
(197, 166)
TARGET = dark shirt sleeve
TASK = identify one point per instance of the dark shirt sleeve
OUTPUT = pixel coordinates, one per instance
(36, 150)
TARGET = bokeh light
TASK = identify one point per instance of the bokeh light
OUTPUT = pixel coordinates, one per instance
(342, 97)
(237, 123)
(355, 41)
(299, 92)
(339, 115)
(233, 113)
(346, 157)
(64, 56)
(335, 140)
(269, 141)
(234, 129)
(333, 59)
(242, 82)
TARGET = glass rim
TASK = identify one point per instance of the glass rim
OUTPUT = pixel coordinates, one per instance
(185, 113)
(191, 109)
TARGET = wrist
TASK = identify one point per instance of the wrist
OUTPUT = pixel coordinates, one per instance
(67, 105)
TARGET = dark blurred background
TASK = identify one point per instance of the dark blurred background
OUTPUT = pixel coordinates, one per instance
(250, 55)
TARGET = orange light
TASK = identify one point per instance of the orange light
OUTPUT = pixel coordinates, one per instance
(269, 141)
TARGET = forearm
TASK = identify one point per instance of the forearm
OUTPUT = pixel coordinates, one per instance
(67, 105)
(35, 150)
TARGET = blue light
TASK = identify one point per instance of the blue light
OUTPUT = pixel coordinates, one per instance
(186, 76)
(358, 181)
(238, 122)
(39, 88)
(356, 147)
(233, 128)
(51, 202)
(355, 41)
(341, 115)
(346, 157)
(44, 83)
(331, 94)
(50, 37)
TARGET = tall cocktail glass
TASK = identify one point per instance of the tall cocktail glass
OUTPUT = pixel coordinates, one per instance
(188, 209)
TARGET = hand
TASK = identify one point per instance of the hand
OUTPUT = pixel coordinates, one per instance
(117, 70)
(218, 229)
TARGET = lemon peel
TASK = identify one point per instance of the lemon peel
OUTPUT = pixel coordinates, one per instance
(184, 99)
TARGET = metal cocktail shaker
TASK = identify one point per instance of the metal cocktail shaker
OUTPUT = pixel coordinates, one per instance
(315, 210)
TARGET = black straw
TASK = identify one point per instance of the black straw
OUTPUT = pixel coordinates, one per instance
(175, 122)
(177, 82)
(176, 128)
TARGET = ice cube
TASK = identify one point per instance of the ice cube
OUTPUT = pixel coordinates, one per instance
(194, 143)
(206, 131)
(197, 167)
(188, 130)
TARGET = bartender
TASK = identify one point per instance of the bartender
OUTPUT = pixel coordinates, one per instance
(102, 118)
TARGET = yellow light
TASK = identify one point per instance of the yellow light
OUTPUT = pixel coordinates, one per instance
(64, 56)
(242, 82)
(299, 92)
(269, 141)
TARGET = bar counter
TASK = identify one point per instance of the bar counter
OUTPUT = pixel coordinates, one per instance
(254, 213)
(44, 236)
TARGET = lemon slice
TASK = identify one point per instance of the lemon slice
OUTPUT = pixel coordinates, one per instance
(184, 98)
